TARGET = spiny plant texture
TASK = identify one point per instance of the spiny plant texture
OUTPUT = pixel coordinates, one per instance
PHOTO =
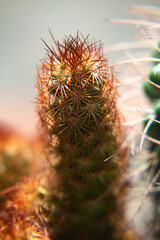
(21, 216)
(77, 107)
(152, 127)
(15, 157)
(144, 71)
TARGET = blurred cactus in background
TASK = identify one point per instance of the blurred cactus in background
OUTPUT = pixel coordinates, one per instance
(151, 87)
(139, 69)
(21, 216)
(18, 156)
(152, 128)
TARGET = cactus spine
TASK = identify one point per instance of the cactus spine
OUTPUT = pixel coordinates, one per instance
(77, 107)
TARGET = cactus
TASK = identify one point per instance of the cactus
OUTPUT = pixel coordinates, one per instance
(143, 70)
(77, 106)
(14, 157)
(146, 163)
(153, 121)
(152, 90)
(21, 216)
(80, 193)
(23, 203)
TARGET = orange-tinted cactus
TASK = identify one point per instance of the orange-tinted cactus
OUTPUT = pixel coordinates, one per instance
(77, 107)
(21, 217)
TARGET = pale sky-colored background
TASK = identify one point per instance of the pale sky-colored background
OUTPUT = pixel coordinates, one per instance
(24, 22)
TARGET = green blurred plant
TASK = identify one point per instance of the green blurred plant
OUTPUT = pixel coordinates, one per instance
(152, 128)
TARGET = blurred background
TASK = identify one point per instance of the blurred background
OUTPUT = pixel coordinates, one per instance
(24, 23)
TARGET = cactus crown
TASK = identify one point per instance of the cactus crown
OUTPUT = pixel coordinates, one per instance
(77, 92)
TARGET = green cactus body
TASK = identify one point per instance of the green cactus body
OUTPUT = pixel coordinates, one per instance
(152, 91)
(77, 107)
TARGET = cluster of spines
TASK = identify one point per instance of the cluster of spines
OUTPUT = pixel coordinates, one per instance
(77, 106)
(22, 215)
